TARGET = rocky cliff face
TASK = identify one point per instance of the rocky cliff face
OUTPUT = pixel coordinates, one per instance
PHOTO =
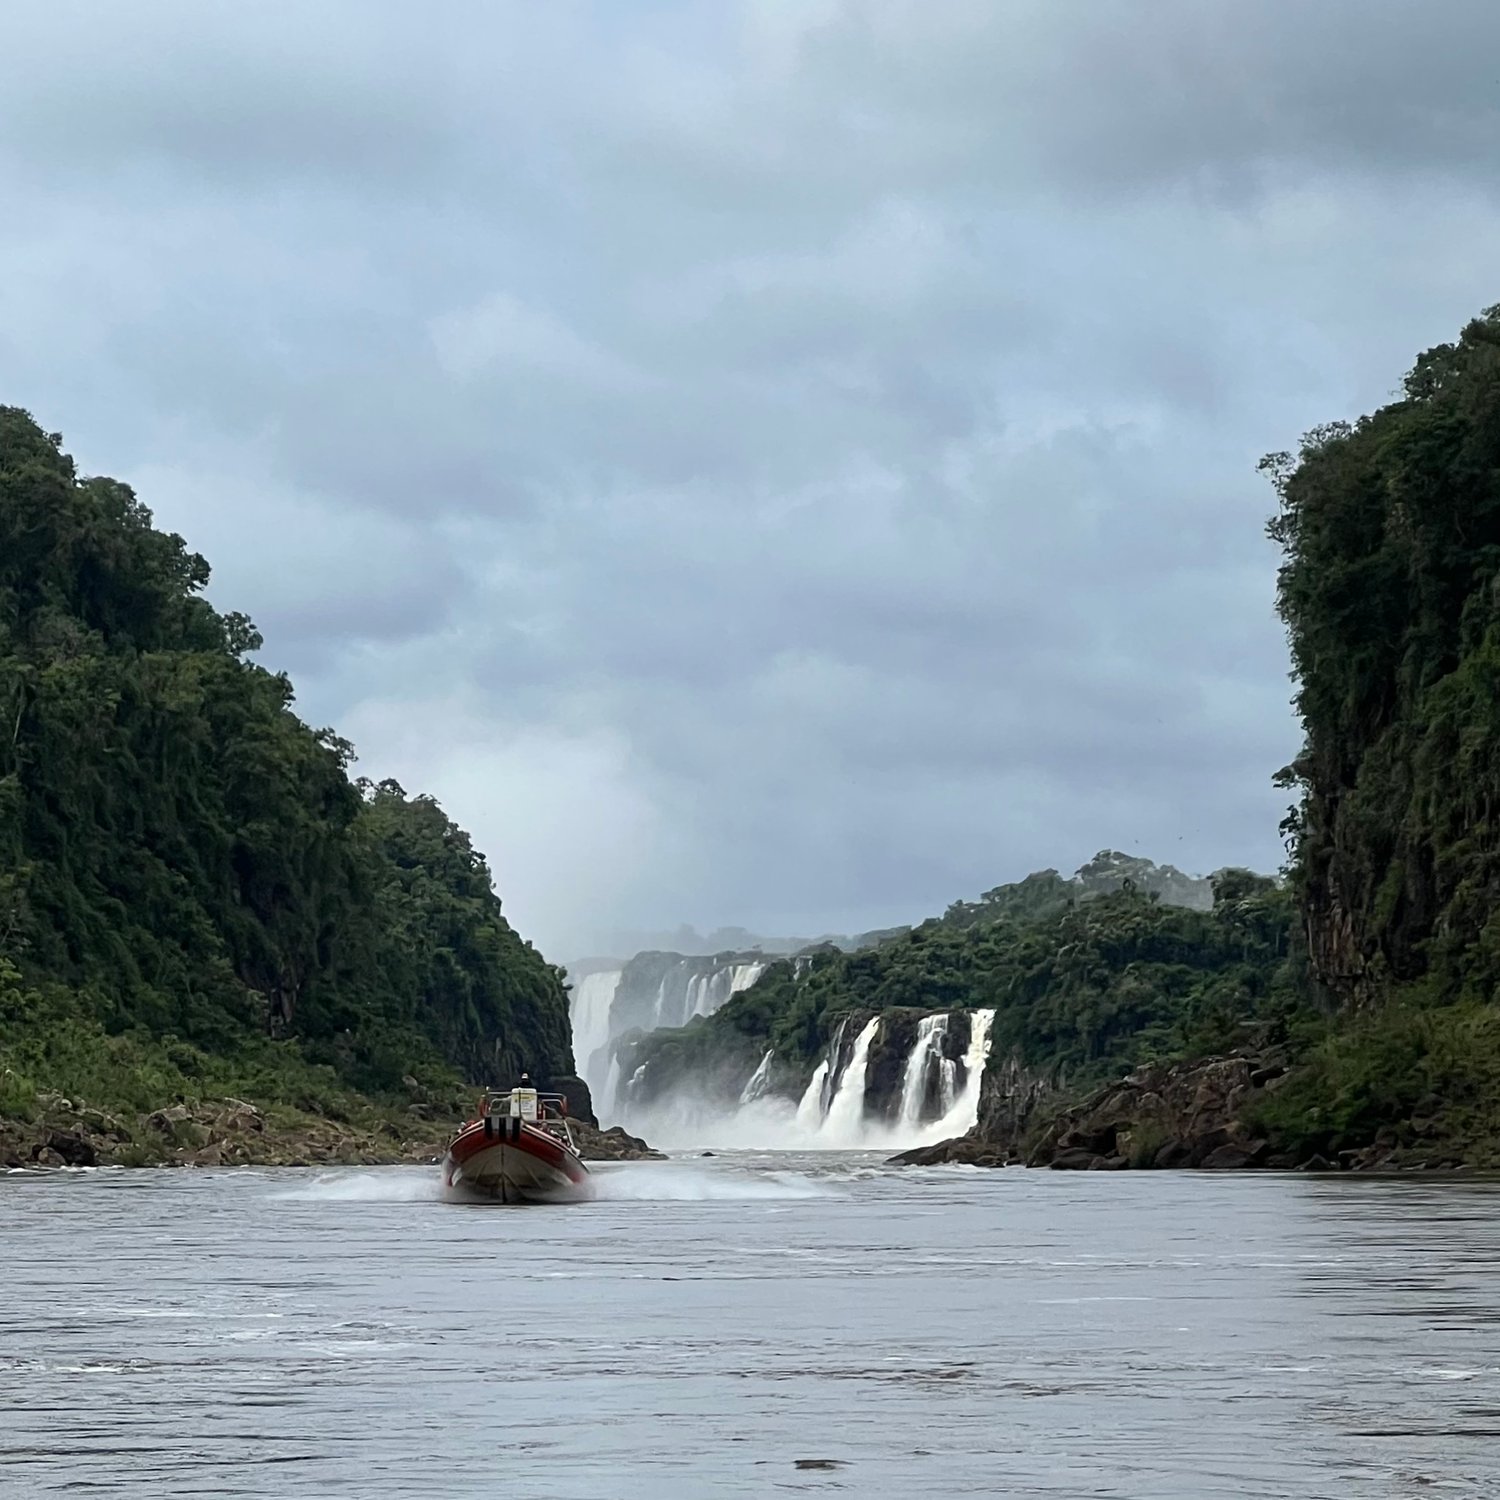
(1190, 1114)
(1391, 533)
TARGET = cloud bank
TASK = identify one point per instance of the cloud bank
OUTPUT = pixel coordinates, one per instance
(785, 464)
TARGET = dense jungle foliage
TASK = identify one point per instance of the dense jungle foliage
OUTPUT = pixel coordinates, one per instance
(1390, 589)
(193, 892)
(1087, 976)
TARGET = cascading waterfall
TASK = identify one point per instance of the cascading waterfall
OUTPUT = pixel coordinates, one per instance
(604, 1103)
(923, 1066)
(682, 994)
(653, 990)
(846, 1110)
(831, 1114)
(588, 1011)
(964, 1112)
(810, 1110)
(947, 1082)
(759, 1081)
(833, 1105)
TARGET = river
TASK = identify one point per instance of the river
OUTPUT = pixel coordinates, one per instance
(750, 1325)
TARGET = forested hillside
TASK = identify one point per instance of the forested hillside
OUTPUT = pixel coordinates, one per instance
(1087, 977)
(194, 894)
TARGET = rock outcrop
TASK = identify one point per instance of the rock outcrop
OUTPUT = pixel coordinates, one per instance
(1185, 1114)
(613, 1144)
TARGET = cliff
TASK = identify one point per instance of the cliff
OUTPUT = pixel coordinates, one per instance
(1390, 531)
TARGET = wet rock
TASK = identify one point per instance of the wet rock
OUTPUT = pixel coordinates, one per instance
(1076, 1159)
(614, 1144)
(1235, 1157)
(1173, 1154)
(72, 1149)
(1168, 1115)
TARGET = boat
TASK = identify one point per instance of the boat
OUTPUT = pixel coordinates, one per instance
(519, 1148)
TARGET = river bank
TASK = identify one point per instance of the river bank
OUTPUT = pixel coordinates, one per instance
(234, 1132)
(1223, 1113)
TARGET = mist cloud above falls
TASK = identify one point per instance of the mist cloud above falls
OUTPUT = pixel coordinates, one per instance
(778, 464)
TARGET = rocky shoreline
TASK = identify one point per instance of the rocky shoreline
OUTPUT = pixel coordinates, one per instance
(1198, 1115)
(233, 1132)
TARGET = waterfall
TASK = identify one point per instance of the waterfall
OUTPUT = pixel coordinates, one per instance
(810, 1110)
(926, 1059)
(938, 1095)
(962, 1115)
(846, 1110)
(947, 1082)
(831, 1114)
(588, 1011)
(759, 1080)
(604, 1104)
(659, 1007)
(742, 976)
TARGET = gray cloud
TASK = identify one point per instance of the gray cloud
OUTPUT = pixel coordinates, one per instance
(770, 463)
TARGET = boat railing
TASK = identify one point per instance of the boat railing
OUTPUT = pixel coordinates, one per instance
(546, 1111)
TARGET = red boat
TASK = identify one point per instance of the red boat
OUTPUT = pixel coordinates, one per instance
(519, 1149)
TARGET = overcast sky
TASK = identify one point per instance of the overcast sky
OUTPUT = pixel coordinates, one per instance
(788, 464)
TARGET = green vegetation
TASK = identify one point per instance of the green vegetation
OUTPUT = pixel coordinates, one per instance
(1086, 977)
(1390, 529)
(195, 898)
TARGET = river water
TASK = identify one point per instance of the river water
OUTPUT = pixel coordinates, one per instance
(712, 1322)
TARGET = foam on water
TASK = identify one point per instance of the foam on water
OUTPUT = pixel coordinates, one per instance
(385, 1185)
(672, 1182)
(612, 1182)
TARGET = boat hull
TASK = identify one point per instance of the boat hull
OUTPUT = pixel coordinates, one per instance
(506, 1160)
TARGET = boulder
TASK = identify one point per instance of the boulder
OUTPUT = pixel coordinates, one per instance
(1076, 1159)
(613, 1144)
(1234, 1156)
(72, 1149)
(239, 1118)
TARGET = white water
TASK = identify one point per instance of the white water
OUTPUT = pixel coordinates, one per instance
(926, 1054)
(612, 1182)
(591, 1012)
(810, 1111)
(604, 1102)
(964, 1113)
(676, 1182)
(843, 1125)
(705, 993)
(588, 1010)
(830, 1115)
(758, 1081)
